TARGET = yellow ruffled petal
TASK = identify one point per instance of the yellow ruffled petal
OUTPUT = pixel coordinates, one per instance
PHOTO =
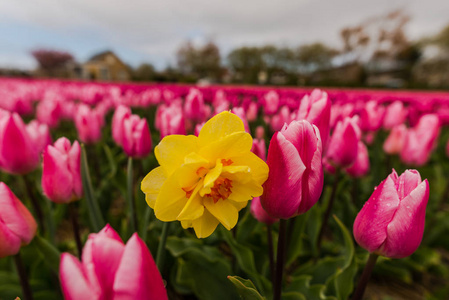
(151, 185)
(238, 205)
(234, 144)
(194, 207)
(210, 178)
(245, 192)
(170, 201)
(172, 150)
(187, 173)
(219, 126)
(223, 210)
(205, 225)
(258, 168)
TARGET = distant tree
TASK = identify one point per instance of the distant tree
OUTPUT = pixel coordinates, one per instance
(51, 61)
(145, 72)
(442, 39)
(246, 63)
(315, 56)
(203, 61)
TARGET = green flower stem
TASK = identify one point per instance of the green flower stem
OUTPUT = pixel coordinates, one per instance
(94, 211)
(161, 247)
(131, 203)
(73, 211)
(26, 289)
(270, 251)
(280, 260)
(328, 210)
(363, 282)
(35, 203)
(146, 222)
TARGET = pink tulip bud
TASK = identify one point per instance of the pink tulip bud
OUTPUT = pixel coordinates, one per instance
(361, 165)
(395, 140)
(421, 140)
(391, 223)
(49, 112)
(198, 128)
(259, 213)
(295, 180)
(395, 115)
(17, 225)
(259, 148)
(371, 116)
(39, 134)
(280, 119)
(171, 120)
(260, 132)
(194, 108)
(88, 123)
(271, 102)
(19, 152)
(136, 137)
(343, 144)
(316, 109)
(240, 112)
(252, 112)
(110, 269)
(121, 113)
(61, 174)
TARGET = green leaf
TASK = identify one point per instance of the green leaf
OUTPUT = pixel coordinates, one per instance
(200, 269)
(94, 211)
(245, 288)
(48, 252)
(296, 237)
(302, 285)
(293, 296)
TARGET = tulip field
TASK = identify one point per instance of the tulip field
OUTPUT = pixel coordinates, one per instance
(164, 191)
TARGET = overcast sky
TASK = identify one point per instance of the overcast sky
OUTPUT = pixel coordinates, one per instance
(151, 31)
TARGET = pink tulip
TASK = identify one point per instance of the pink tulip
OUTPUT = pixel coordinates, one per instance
(61, 174)
(391, 223)
(240, 112)
(281, 118)
(260, 132)
(109, 269)
(395, 140)
(121, 113)
(17, 225)
(343, 144)
(49, 112)
(88, 123)
(170, 120)
(194, 107)
(421, 140)
(361, 165)
(316, 109)
(271, 102)
(19, 151)
(295, 180)
(259, 213)
(259, 148)
(252, 112)
(395, 115)
(136, 137)
(39, 134)
(371, 116)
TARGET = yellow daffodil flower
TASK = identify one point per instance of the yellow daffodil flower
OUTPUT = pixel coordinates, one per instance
(206, 180)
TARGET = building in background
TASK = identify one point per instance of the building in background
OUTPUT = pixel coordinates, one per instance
(104, 66)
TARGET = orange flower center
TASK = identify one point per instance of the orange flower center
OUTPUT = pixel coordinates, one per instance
(221, 189)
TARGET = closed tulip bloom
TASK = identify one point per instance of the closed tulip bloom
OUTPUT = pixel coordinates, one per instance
(171, 120)
(240, 112)
(61, 171)
(39, 134)
(281, 118)
(136, 137)
(271, 102)
(295, 179)
(252, 112)
(17, 225)
(19, 152)
(194, 107)
(121, 113)
(343, 144)
(259, 212)
(421, 140)
(49, 112)
(316, 108)
(395, 140)
(395, 115)
(372, 116)
(259, 148)
(361, 165)
(109, 269)
(88, 123)
(391, 223)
